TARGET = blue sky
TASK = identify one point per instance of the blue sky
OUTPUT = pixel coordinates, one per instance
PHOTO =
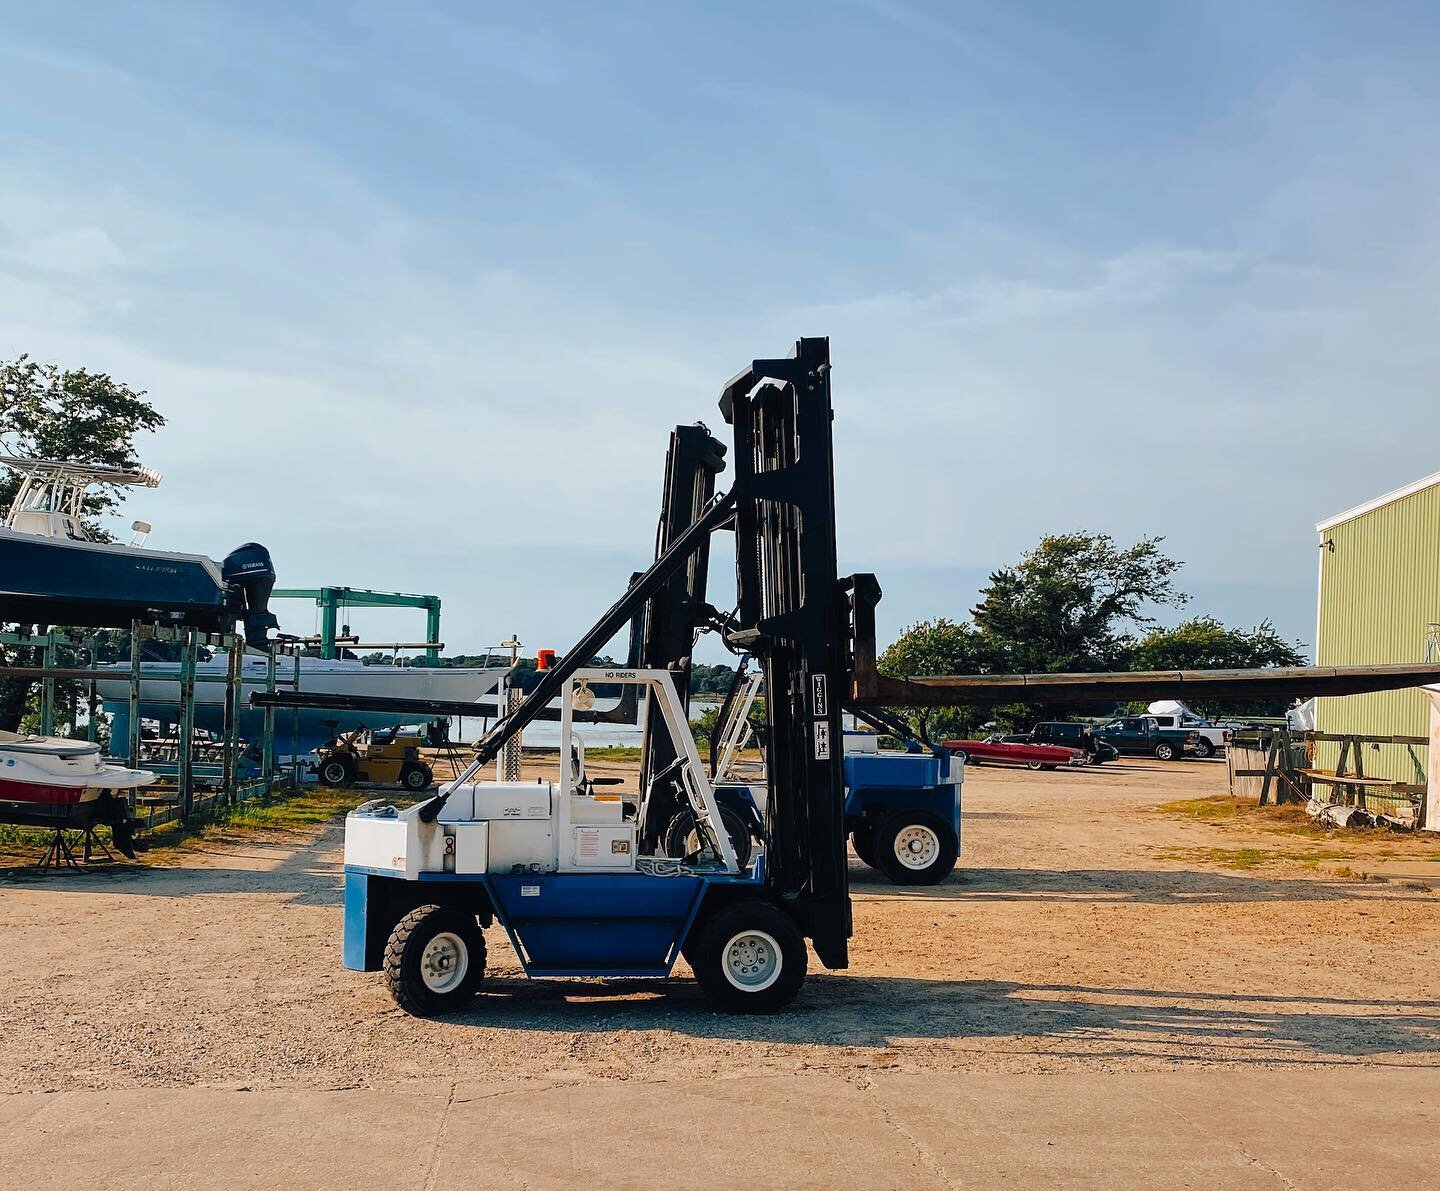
(422, 288)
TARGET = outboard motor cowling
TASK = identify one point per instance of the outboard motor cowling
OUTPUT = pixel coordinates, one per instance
(249, 577)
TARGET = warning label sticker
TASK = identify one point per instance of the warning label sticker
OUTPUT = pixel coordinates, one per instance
(822, 740)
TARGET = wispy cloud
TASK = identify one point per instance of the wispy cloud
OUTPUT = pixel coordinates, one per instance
(405, 290)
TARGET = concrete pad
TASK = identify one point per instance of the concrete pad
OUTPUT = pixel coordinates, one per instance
(793, 1131)
(1200, 1128)
(1335, 1128)
(1075, 1131)
(158, 1139)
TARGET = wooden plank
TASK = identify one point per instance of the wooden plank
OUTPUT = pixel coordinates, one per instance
(1349, 779)
(1334, 736)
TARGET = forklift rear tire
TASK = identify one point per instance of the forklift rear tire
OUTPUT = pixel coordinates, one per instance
(749, 957)
(916, 848)
(417, 778)
(434, 961)
(338, 770)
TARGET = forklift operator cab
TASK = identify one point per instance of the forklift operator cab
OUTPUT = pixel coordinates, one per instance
(557, 865)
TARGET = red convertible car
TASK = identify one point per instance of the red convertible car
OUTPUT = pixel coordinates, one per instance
(1032, 756)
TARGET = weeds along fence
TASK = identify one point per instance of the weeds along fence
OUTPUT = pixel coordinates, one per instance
(198, 774)
(1276, 765)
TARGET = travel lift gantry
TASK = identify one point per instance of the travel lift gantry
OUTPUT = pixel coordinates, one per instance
(580, 880)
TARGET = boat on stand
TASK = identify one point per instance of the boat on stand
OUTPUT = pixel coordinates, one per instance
(62, 784)
(53, 570)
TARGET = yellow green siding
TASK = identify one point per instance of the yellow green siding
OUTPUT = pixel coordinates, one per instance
(1379, 589)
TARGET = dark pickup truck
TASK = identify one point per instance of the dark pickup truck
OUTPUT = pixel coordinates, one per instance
(1139, 736)
(1075, 736)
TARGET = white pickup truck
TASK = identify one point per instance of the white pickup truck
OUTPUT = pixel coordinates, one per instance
(1169, 714)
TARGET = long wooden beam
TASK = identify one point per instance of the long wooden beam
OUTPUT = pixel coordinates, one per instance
(965, 690)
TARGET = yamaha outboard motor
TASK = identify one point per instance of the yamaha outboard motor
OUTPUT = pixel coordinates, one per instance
(249, 579)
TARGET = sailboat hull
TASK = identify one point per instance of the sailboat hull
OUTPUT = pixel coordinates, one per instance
(296, 732)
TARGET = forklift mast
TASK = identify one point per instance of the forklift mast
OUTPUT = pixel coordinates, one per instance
(794, 615)
(671, 617)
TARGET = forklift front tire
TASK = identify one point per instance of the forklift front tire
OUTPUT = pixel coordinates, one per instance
(749, 957)
(434, 961)
(417, 778)
(916, 848)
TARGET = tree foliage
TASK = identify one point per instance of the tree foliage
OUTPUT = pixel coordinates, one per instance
(1204, 643)
(81, 417)
(1072, 602)
(943, 647)
(1076, 603)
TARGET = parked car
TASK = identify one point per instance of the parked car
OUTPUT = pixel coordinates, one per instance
(1069, 735)
(1138, 735)
(1032, 756)
(1211, 737)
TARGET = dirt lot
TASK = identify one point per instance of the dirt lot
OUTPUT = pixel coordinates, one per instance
(1086, 931)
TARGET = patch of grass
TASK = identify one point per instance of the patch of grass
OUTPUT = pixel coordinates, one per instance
(1218, 806)
(282, 811)
(1244, 859)
(613, 752)
(1290, 819)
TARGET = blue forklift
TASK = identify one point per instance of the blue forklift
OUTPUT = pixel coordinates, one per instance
(580, 879)
(587, 882)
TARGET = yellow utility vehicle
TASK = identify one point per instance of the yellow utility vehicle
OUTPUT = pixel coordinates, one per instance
(388, 756)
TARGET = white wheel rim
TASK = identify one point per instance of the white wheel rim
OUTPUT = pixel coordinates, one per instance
(752, 961)
(917, 846)
(444, 962)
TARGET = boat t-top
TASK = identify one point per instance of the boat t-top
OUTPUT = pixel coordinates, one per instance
(53, 571)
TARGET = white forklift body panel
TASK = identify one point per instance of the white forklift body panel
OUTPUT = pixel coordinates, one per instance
(534, 827)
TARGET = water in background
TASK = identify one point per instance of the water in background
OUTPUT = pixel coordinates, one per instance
(546, 733)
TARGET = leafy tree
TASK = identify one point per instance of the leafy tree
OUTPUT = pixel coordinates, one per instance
(710, 680)
(72, 415)
(1204, 643)
(943, 647)
(1074, 603)
(76, 416)
(1070, 603)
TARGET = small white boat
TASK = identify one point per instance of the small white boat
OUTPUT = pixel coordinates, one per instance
(52, 781)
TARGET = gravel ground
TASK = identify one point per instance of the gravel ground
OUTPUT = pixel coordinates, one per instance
(1084, 932)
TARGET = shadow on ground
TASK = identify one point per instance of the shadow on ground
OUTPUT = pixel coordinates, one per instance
(307, 877)
(312, 878)
(881, 1013)
(1110, 886)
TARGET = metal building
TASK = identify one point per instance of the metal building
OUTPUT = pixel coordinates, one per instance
(1379, 601)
